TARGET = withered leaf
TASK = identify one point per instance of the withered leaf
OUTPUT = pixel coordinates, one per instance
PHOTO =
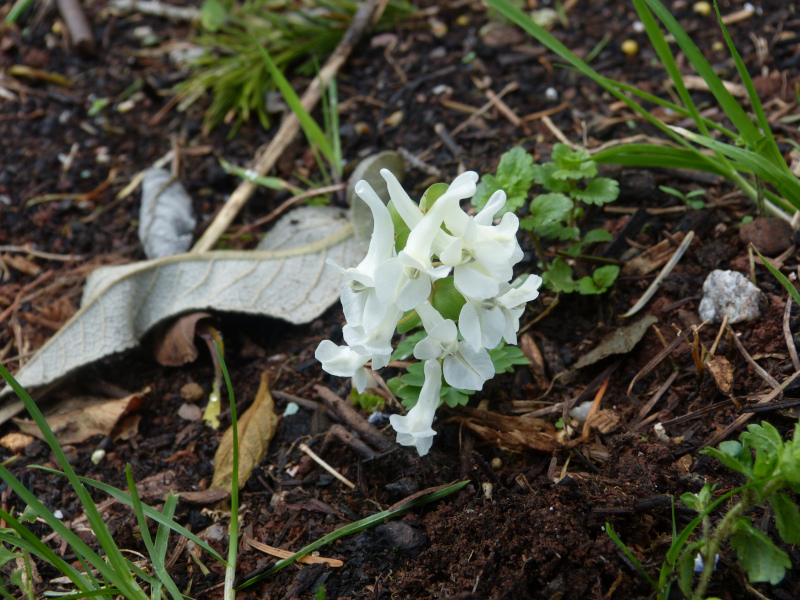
(173, 346)
(256, 427)
(722, 372)
(77, 419)
(621, 341)
(511, 433)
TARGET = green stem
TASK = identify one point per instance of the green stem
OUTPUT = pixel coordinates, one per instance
(537, 244)
(725, 529)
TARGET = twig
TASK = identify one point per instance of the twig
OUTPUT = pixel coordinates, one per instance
(315, 457)
(158, 9)
(267, 159)
(40, 254)
(787, 334)
(80, 32)
(355, 421)
(651, 403)
(756, 367)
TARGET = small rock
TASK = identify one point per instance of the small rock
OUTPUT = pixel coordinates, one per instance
(403, 536)
(729, 292)
(190, 412)
(770, 235)
(192, 392)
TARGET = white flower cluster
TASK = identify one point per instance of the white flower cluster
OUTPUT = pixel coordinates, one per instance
(387, 283)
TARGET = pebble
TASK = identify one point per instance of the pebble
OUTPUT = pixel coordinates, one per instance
(731, 292)
(770, 235)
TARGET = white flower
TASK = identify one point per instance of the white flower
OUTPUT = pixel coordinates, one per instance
(406, 280)
(484, 322)
(359, 297)
(464, 367)
(343, 361)
(482, 254)
(376, 341)
(415, 428)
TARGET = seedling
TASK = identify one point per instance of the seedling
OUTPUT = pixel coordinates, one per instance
(690, 199)
(748, 158)
(770, 467)
(570, 182)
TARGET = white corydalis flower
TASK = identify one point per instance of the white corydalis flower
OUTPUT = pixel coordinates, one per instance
(359, 296)
(406, 280)
(464, 367)
(343, 361)
(416, 428)
(482, 254)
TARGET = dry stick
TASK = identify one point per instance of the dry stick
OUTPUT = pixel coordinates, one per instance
(651, 403)
(787, 334)
(317, 459)
(756, 367)
(355, 421)
(78, 26)
(366, 14)
(742, 419)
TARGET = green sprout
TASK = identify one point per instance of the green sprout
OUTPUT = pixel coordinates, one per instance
(570, 182)
(689, 198)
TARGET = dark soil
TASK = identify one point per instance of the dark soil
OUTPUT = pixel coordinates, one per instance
(541, 530)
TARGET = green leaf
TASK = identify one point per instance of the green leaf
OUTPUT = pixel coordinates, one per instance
(787, 518)
(447, 299)
(729, 459)
(505, 357)
(514, 176)
(572, 164)
(431, 195)
(559, 277)
(543, 175)
(598, 191)
(600, 281)
(548, 209)
(758, 555)
(763, 437)
(367, 401)
(212, 15)
(787, 285)
(597, 235)
(454, 397)
(405, 348)
(686, 567)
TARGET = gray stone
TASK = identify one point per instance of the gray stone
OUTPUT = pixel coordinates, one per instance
(732, 293)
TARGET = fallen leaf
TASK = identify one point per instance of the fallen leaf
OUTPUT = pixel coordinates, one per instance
(285, 278)
(77, 419)
(15, 442)
(514, 434)
(166, 218)
(652, 258)
(173, 345)
(277, 552)
(256, 428)
(722, 372)
(620, 341)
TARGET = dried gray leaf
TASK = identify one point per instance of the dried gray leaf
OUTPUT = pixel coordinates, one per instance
(621, 341)
(166, 219)
(285, 278)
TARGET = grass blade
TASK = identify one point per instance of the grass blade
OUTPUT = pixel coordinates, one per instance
(366, 523)
(28, 541)
(233, 529)
(313, 132)
(626, 551)
(729, 104)
(155, 559)
(786, 183)
(755, 102)
(781, 278)
(148, 510)
(119, 573)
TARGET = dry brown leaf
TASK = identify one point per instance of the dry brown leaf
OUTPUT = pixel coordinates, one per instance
(722, 372)
(174, 346)
(15, 442)
(77, 419)
(272, 551)
(620, 341)
(256, 428)
(510, 433)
